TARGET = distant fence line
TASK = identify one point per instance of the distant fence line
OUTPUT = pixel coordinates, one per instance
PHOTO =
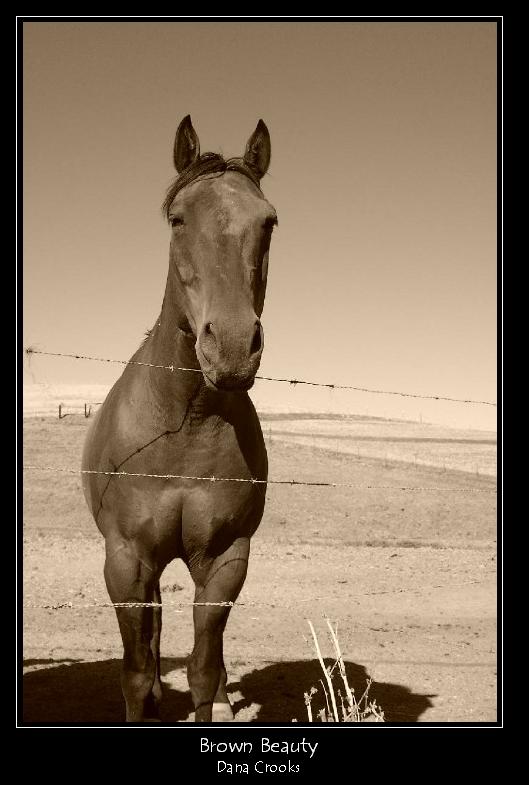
(29, 351)
(87, 409)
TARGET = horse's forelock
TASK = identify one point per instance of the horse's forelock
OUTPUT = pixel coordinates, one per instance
(207, 163)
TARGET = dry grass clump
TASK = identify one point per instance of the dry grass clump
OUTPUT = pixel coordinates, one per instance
(340, 706)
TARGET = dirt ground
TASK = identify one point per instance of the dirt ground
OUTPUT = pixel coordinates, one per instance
(408, 577)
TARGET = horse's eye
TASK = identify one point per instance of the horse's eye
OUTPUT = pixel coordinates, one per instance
(176, 220)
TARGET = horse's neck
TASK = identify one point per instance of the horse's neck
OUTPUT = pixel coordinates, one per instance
(174, 394)
(168, 346)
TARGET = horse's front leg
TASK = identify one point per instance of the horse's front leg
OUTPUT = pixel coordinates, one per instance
(130, 579)
(219, 581)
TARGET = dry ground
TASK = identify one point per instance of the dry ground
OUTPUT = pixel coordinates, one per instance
(409, 578)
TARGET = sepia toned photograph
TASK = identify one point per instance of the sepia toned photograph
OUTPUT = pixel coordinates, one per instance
(258, 375)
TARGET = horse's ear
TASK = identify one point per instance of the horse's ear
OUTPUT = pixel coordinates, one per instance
(186, 145)
(258, 150)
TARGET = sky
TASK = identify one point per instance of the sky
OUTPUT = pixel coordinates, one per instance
(383, 268)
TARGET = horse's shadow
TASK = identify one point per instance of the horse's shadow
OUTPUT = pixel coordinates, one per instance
(71, 691)
(279, 691)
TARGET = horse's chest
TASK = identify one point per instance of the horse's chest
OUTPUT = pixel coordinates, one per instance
(228, 461)
(228, 498)
(211, 495)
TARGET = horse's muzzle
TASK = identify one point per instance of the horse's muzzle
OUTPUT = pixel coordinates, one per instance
(230, 359)
(229, 385)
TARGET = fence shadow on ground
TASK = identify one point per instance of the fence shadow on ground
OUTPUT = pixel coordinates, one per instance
(74, 691)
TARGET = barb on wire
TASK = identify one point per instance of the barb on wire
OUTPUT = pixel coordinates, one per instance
(293, 382)
(255, 481)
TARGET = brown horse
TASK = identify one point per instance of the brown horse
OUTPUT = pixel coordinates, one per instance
(196, 424)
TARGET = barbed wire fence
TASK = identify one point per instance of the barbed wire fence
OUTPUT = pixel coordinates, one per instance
(94, 603)
(255, 481)
(30, 350)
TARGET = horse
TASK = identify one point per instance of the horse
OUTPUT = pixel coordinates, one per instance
(197, 424)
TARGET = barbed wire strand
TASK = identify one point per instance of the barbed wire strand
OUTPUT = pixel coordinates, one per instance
(229, 604)
(253, 481)
(293, 382)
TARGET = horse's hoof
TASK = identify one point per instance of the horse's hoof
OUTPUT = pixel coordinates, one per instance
(221, 712)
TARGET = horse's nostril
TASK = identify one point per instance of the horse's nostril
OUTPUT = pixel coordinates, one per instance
(208, 329)
(257, 343)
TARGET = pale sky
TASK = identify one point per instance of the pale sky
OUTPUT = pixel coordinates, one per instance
(383, 269)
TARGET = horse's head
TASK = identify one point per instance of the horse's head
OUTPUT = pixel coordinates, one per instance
(221, 227)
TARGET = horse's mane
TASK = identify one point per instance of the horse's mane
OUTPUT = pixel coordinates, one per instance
(207, 163)
(146, 336)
